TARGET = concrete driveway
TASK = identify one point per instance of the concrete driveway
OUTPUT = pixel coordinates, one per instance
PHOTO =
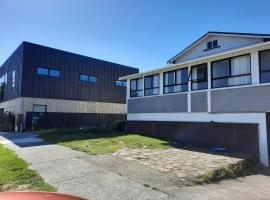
(109, 177)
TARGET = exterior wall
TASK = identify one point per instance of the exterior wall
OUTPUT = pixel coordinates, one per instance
(234, 136)
(158, 104)
(254, 118)
(14, 62)
(74, 120)
(22, 105)
(226, 43)
(68, 85)
(199, 102)
(246, 99)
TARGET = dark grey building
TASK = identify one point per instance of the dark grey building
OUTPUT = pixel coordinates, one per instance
(62, 89)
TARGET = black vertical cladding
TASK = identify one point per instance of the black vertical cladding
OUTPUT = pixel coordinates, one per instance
(14, 62)
(68, 85)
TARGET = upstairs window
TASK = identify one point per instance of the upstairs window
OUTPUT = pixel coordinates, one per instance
(54, 73)
(86, 78)
(13, 80)
(176, 81)
(199, 77)
(231, 72)
(121, 83)
(42, 71)
(136, 87)
(264, 57)
(151, 85)
(48, 72)
(212, 44)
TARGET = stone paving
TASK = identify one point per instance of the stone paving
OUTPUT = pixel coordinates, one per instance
(185, 164)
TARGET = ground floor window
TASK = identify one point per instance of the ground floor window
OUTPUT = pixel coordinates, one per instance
(151, 85)
(176, 81)
(231, 72)
(264, 58)
(39, 108)
(199, 77)
(136, 87)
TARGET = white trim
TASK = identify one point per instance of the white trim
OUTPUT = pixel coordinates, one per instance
(244, 50)
(259, 118)
(209, 87)
(189, 90)
(255, 72)
(161, 86)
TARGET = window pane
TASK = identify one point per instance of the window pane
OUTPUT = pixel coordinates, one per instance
(83, 78)
(148, 82)
(54, 73)
(133, 85)
(199, 86)
(182, 76)
(120, 83)
(42, 71)
(140, 84)
(265, 77)
(149, 92)
(136, 93)
(39, 108)
(156, 81)
(199, 73)
(220, 68)
(176, 88)
(240, 65)
(220, 83)
(215, 43)
(13, 78)
(92, 79)
(265, 60)
(169, 78)
(240, 80)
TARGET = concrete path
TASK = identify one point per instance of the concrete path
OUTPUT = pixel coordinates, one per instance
(105, 177)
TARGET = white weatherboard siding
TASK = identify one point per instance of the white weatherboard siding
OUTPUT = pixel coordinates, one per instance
(226, 43)
(258, 118)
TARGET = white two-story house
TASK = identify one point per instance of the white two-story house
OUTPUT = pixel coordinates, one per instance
(214, 93)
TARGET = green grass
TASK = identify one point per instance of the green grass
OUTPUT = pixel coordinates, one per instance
(102, 142)
(16, 176)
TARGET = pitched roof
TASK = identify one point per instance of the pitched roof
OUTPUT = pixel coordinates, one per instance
(258, 35)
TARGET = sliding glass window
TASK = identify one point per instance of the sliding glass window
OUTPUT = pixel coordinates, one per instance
(264, 66)
(199, 77)
(176, 81)
(136, 87)
(151, 85)
(231, 72)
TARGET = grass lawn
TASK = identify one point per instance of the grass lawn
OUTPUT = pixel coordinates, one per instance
(16, 176)
(101, 142)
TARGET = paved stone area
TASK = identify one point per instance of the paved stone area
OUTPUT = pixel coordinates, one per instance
(186, 164)
(116, 178)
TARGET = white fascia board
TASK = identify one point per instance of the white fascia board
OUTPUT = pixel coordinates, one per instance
(195, 61)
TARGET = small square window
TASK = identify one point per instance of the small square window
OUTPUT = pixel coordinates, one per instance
(92, 79)
(84, 78)
(39, 108)
(209, 45)
(215, 43)
(121, 83)
(42, 71)
(54, 73)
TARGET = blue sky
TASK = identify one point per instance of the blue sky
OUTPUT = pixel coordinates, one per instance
(138, 33)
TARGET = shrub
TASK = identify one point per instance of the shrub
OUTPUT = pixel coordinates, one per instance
(7, 121)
